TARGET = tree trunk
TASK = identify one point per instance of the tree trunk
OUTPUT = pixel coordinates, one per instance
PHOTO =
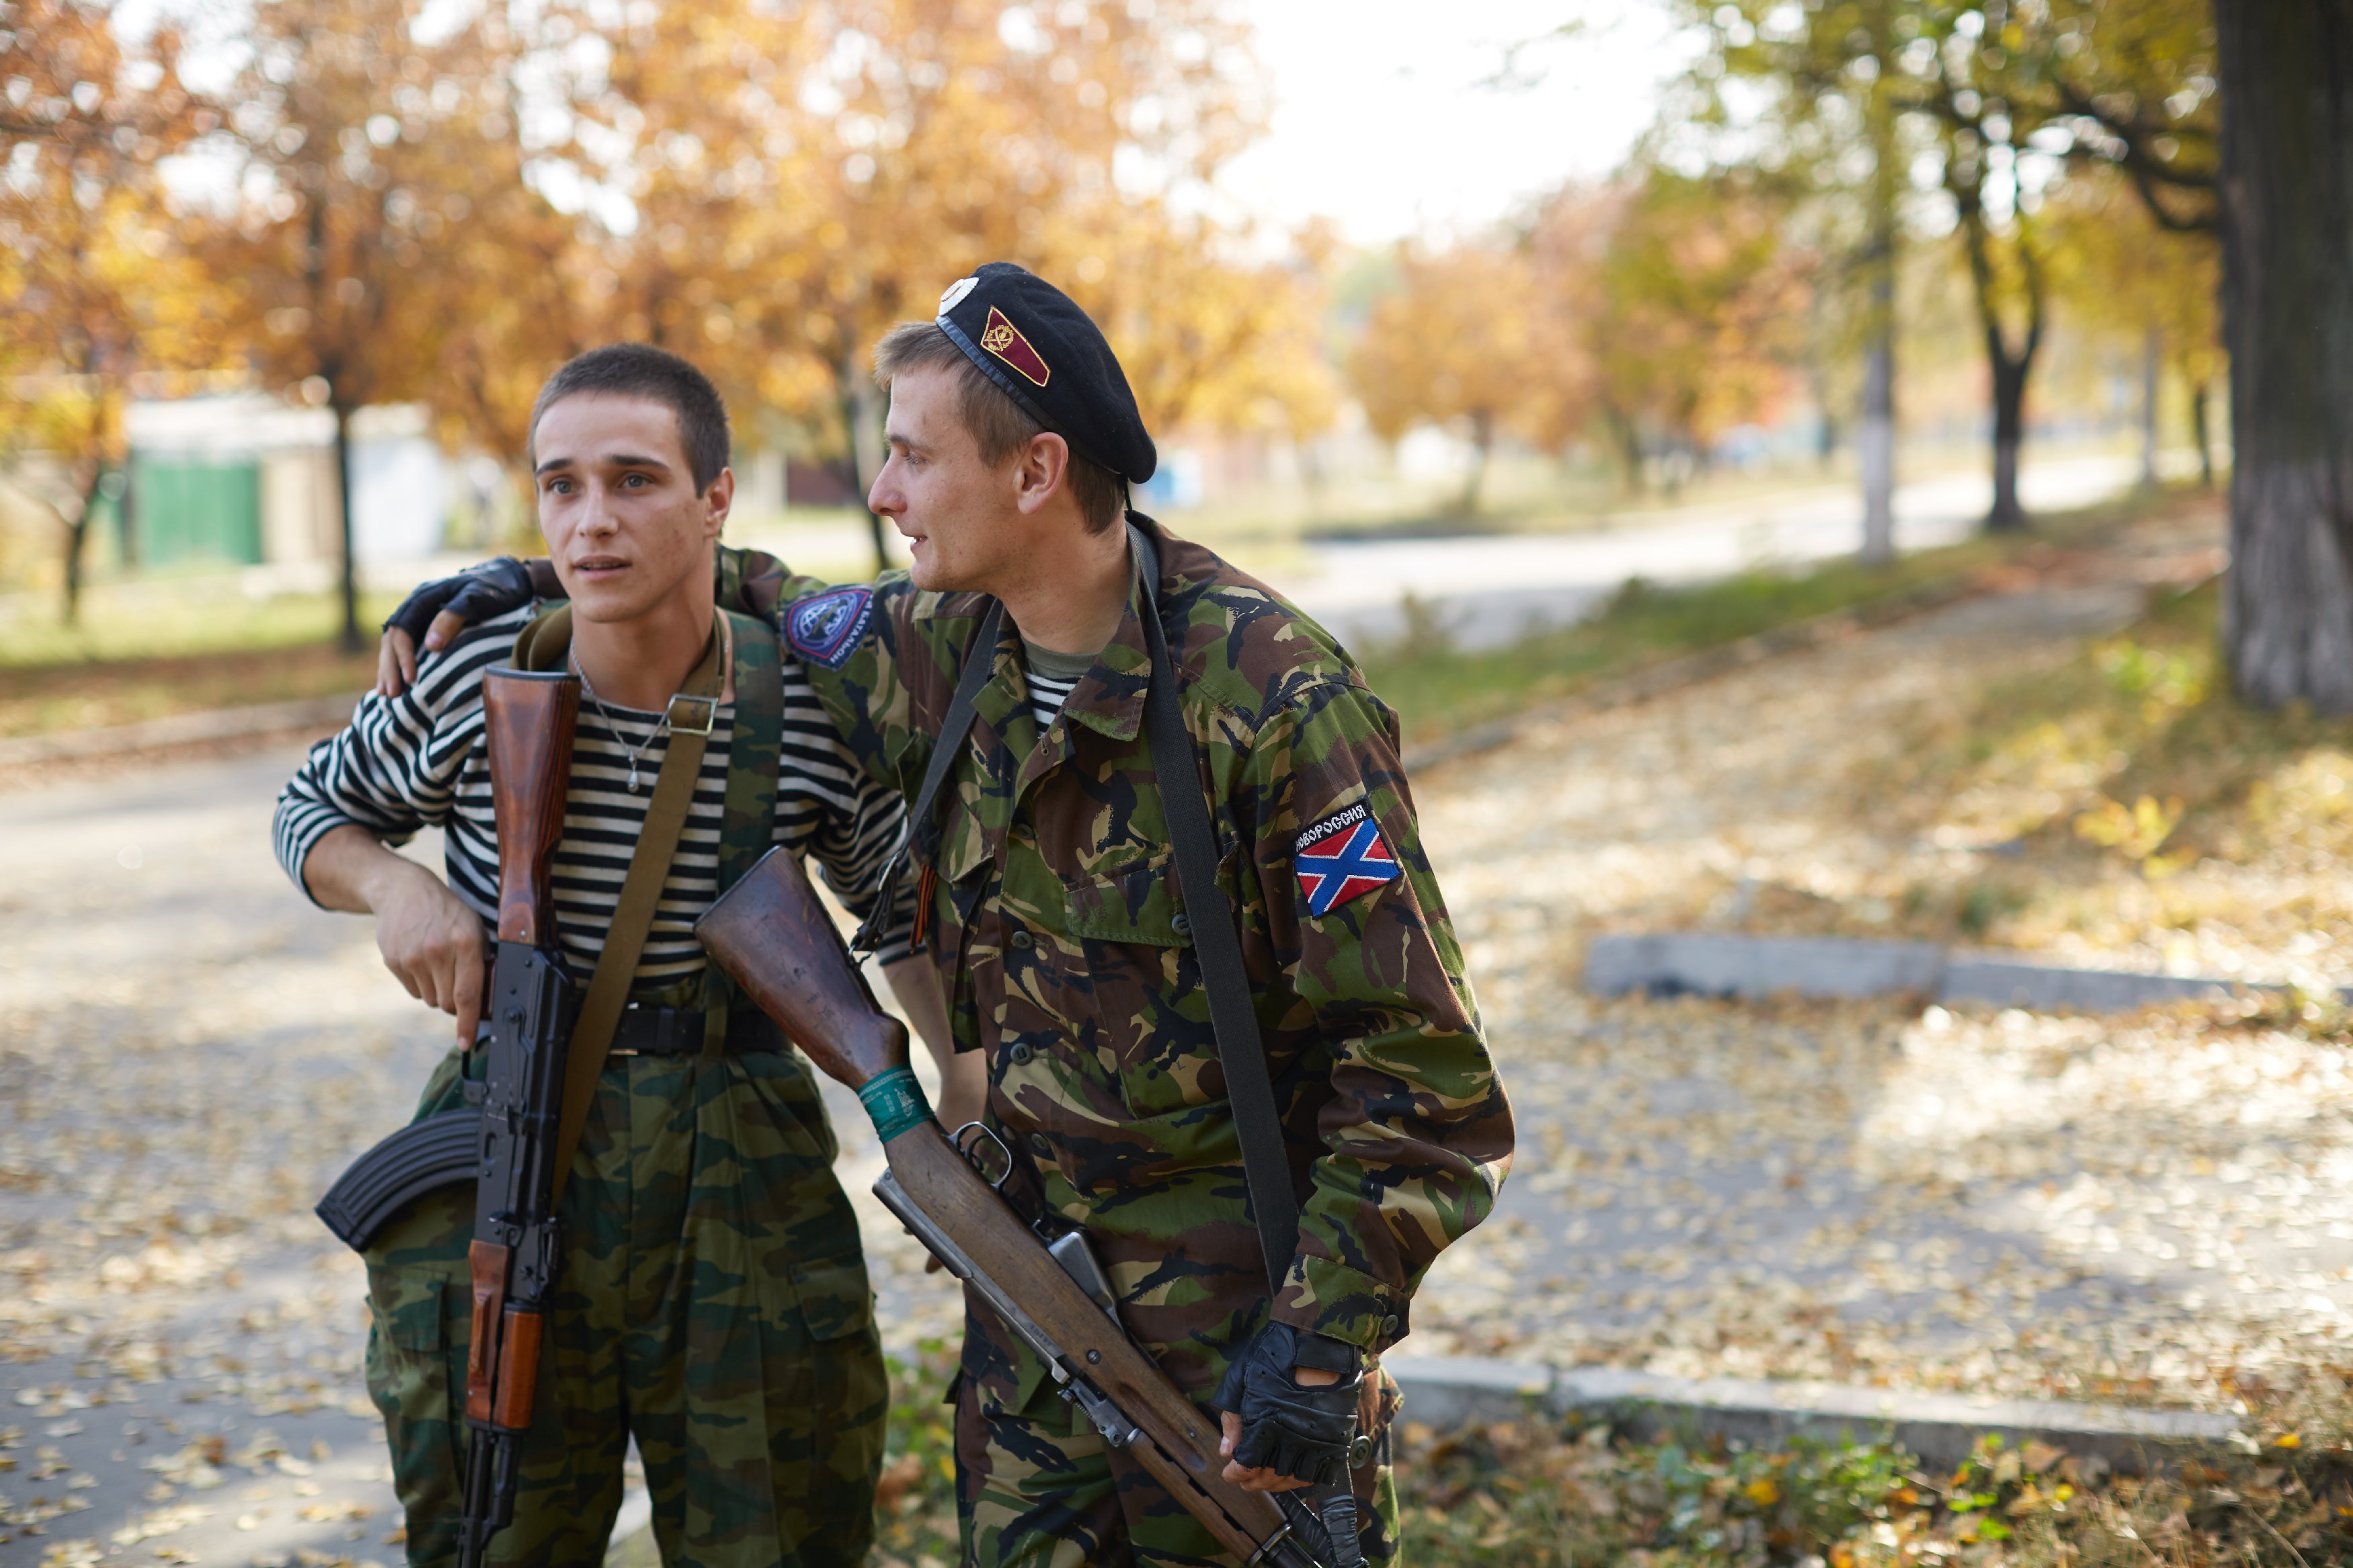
(862, 434)
(2009, 432)
(78, 543)
(1483, 440)
(1875, 437)
(1627, 436)
(1875, 450)
(2286, 78)
(2198, 394)
(350, 585)
(2152, 363)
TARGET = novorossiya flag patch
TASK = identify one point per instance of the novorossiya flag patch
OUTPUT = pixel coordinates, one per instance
(826, 628)
(1342, 857)
(1004, 339)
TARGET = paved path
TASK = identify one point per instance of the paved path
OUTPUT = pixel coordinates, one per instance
(1491, 589)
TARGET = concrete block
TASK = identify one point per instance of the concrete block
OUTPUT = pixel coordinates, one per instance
(1713, 963)
(2047, 988)
(1445, 1392)
(1941, 1428)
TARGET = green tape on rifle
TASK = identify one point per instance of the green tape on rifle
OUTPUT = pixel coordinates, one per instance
(895, 1102)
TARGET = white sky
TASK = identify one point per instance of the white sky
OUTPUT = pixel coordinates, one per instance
(1381, 124)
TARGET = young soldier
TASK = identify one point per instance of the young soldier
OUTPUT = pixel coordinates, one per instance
(1070, 966)
(715, 1301)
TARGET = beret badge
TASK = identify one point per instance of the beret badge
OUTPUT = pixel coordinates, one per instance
(1004, 339)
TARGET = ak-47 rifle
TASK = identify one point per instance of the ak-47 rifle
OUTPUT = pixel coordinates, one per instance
(517, 1252)
(775, 941)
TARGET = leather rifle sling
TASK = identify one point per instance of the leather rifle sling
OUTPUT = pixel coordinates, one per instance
(1217, 943)
(921, 836)
(691, 712)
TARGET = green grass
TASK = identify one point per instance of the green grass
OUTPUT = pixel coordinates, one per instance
(149, 654)
(2128, 795)
(1438, 688)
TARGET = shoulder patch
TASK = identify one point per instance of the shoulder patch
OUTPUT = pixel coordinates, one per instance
(1342, 857)
(826, 628)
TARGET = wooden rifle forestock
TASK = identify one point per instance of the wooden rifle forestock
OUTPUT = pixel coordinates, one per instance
(774, 940)
(528, 720)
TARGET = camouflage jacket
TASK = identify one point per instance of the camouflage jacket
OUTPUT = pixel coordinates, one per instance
(1054, 922)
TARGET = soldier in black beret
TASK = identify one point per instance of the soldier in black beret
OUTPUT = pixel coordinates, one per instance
(1268, 1269)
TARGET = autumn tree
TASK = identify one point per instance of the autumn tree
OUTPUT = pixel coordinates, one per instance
(371, 156)
(93, 287)
(1833, 120)
(2239, 120)
(800, 179)
(1695, 308)
(1456, 343)
(2125, 276)
(1207, 337)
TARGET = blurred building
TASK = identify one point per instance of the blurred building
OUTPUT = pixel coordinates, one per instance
(248, 480)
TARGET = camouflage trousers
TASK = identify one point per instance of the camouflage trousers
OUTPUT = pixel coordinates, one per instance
(1038, 1488)
(713, 1304)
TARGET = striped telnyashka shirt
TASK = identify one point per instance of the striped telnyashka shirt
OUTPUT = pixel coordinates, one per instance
(419, 759)
(1047, 693)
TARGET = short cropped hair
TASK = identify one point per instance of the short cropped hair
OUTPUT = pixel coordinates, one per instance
(641, 369)
(999, 426)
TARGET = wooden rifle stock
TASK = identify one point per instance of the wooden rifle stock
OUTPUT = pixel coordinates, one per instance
(528, 720)
(775, 941)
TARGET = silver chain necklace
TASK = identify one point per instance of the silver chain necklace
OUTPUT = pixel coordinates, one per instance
(615, 729)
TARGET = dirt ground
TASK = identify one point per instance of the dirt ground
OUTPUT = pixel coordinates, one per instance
(2157, 1209)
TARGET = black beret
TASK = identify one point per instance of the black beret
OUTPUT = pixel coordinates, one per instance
(1032, 340)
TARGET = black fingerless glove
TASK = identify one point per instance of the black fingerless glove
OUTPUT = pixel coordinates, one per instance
(1294, 1431)
(492, 588)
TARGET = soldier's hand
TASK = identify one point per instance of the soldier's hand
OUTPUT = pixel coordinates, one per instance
(396, 655)
(1251, 1480)
(433, 944)
(1288, 1407)
(438, 611)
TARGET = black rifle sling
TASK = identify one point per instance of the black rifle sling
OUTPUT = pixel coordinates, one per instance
(1217, 941)
(922, 832)
(1217, 944)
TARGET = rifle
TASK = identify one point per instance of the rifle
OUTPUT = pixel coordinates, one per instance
(517, 1251)
(775, 941)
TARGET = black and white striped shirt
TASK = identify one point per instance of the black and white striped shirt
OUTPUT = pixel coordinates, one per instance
(419, 759)
(1052, 677)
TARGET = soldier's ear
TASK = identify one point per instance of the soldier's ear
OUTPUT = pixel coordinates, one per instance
(717, 502)
(1041, 471)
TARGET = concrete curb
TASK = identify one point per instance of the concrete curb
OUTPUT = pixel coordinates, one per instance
(1689, 669)
(1725, 964)
(179, 730)
(1941, 1428)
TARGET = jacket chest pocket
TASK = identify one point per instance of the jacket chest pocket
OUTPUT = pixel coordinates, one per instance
(1150, 1014)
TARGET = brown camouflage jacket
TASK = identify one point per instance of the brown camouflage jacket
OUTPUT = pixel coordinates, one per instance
(1053, 921)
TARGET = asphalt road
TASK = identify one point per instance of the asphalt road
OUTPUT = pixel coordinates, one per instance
(1487, 590)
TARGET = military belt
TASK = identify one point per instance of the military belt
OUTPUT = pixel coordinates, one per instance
(650, 1031)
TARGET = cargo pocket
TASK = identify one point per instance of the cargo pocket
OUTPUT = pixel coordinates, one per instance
(836, 1299)
(416, 1357)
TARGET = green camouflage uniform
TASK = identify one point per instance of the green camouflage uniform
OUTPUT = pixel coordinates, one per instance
(1064, 957)
(713, 1300)
(736, 1339)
